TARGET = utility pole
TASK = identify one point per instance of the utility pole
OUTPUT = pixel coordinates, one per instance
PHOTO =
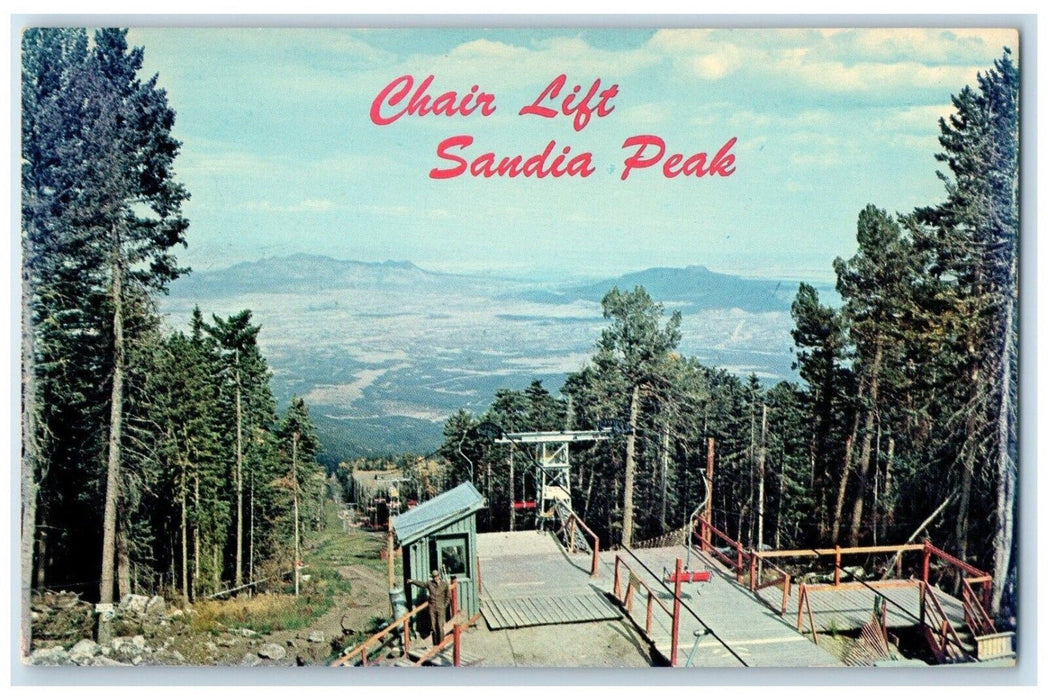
(512, 509)
(294, 486)
(708, 515)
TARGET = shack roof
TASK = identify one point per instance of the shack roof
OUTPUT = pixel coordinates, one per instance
(436, 513)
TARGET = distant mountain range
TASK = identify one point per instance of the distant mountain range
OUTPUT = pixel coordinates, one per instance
(304, 274)
(384, 352)
(694, 287)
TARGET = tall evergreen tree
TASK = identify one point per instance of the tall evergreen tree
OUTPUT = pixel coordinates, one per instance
(250, 412)
(637, 347)
(875, 285)
(972, 238)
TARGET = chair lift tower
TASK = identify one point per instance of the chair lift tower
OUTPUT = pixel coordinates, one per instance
(553, 466)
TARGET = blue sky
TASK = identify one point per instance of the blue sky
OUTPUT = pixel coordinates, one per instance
(281, 157)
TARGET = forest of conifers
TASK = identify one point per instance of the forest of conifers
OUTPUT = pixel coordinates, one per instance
(155, 459)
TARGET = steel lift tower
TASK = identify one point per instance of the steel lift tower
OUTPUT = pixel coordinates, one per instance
(553, 466)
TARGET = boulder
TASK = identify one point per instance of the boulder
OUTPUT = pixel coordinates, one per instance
(250, 660)
(83, 651)
(106, 661)
(135, 604)
(316, 636)
(156, 606)
(52, 656)
(272, 651)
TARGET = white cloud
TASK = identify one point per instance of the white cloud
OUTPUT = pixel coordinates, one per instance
(874, 60)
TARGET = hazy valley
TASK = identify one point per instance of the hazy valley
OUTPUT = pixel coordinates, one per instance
(384, 352)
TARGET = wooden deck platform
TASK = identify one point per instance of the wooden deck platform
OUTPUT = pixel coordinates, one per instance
(750, 633)
(527, 580)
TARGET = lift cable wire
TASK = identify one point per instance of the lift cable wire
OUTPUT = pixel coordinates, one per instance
(708, 630)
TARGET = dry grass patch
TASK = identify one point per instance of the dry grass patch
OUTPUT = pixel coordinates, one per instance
(262, 613)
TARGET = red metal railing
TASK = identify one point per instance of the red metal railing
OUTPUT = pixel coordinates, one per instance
(708, 544)
(975, 615)
(404, 622)
(784, 580)
(946, 644)
(454, 640)
(625, 598)
(975, 603)
(575, 521)
(804, 604)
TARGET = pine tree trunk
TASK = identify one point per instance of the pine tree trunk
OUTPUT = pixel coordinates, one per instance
(123, 559)
(29, 490)
(627, 492)
(761, 458)
(42, 554)
(842, 488)
(29, 460)
(116, 418)
(1006, 470)
(196, 537)
(888, 489)
(664, 475)
(251, 531)
(185, 540)
(967, 470)
(294, 486)
(865, 453)
(239, 575)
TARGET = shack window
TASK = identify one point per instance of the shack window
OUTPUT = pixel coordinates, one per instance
(451, 554)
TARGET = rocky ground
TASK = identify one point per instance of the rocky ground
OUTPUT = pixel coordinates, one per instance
(153, 631)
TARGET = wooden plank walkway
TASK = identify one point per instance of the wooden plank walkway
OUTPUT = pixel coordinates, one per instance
(527, 579)
(750, 633)
(848, 607)
(508, 613)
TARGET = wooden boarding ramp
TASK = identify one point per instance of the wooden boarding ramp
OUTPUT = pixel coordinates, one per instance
(749, 633)
(527, 579)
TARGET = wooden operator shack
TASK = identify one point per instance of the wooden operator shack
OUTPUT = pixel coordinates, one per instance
(442, 534)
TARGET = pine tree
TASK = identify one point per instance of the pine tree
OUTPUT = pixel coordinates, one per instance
(875, 285)
(637, 347)
(250, 412)
(972, 245)
(102, 211)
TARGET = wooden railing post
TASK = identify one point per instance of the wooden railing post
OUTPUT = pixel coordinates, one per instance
(837, 565)
(753, 572)
(738, 563)
(924, 599)
(647, 621)
(927, 561)
(454, 596)
(457, 654)
(407, 636)
(595, 566)
(801, 593)
(616, 587)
